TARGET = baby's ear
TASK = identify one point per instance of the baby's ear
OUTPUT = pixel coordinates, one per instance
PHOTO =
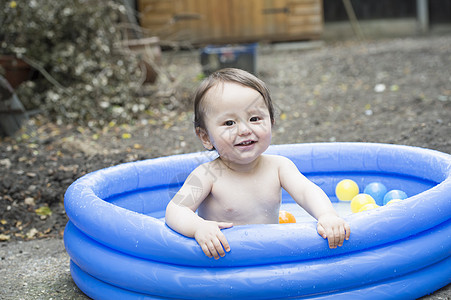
(202, 134)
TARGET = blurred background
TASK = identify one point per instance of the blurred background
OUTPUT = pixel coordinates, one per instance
(88, 84)
(88, 62)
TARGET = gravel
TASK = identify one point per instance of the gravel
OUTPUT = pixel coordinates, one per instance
(389, 91)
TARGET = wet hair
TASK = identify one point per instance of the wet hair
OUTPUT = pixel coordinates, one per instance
(229, 75)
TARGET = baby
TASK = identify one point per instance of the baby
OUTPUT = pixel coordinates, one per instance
(234, 116)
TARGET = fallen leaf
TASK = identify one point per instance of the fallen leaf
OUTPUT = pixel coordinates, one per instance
(394, 88)
(4, 237)
(5, 162)
(69, 168)
(126, 136)
(43, 211)
(32, 233)
(343, 87)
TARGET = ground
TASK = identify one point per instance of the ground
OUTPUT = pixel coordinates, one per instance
(386, 91)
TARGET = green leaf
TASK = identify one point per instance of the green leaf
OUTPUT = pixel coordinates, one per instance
(43, 211)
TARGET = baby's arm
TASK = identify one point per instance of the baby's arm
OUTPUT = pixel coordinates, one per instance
(181, 216)
(313, 199)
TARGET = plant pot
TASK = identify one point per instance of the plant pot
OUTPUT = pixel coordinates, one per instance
(150, 53)
(16, 70)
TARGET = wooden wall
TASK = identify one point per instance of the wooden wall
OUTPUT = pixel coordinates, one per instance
(227, 21)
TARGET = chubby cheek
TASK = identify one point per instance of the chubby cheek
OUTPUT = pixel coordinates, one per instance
(263, 133)
(224, 136)
(267, 140)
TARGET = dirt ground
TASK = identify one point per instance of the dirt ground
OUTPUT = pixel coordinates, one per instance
(386, 91)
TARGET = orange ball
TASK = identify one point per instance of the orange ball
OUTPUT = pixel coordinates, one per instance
(286, 217)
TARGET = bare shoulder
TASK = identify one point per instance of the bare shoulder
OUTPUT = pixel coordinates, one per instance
(201, 177)
(279, 161)
(208, 170)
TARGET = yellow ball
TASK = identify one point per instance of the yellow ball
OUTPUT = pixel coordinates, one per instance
(393, 201)
(346, 190)
(368, 206)
(360, 200)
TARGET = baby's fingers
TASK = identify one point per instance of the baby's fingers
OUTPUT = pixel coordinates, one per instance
(340, 236)
(332, 235)
(348, 230)
(219, 249)
(206, 250)
(224, 244)
(321, 231)
(213, 248)
(224, 225)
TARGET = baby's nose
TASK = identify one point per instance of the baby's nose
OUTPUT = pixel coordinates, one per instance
(243, 129)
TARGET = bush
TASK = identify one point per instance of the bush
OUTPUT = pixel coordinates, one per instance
(85, 74)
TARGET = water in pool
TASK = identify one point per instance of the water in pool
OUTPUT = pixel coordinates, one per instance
(342, 208)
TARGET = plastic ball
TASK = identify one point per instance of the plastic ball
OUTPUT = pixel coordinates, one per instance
(393, 201)
(368, 206)
(286, 217)
(360, 200)
(346, 190)
(394, 194)
(376, 190)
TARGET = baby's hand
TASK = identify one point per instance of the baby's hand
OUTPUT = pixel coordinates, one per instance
(211, 239)
(334, 228)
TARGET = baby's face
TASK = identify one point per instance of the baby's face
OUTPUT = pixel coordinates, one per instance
(237, 121)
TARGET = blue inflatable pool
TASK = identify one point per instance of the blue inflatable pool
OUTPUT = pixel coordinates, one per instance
(120, 247)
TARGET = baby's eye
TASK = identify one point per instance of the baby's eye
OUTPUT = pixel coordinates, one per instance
(229, 123)
(255, 119)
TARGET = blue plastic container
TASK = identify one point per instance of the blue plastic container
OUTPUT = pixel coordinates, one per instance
(243, 57)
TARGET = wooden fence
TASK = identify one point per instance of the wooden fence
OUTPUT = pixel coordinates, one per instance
(227, 21)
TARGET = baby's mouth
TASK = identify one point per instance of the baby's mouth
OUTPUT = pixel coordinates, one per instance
(246, 143)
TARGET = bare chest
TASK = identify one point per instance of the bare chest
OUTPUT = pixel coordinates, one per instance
(244, 199)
